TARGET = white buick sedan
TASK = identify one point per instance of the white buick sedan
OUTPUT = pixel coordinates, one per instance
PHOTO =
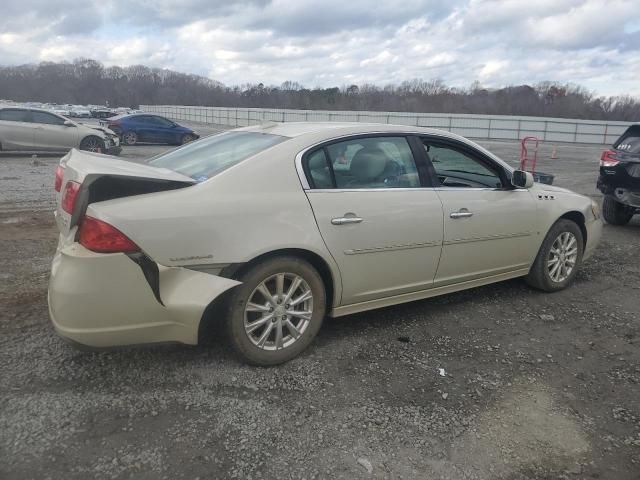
(266, 230)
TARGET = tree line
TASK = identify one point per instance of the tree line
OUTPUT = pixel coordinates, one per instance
(86, 81)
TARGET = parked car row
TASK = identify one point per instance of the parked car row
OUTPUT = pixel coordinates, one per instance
(23, 128)
(27, 128)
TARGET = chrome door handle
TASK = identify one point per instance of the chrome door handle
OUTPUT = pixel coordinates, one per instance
(345, 220)
(462, 213)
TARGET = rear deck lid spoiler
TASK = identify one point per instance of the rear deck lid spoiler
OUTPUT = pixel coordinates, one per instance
(86, 168)
(88, 164)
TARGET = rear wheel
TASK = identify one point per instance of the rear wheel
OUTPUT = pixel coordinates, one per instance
(92, 144)
(130, 138)
(276, 312)
(615, 212)
(559, 257)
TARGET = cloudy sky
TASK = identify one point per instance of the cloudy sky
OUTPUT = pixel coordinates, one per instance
(594, 43)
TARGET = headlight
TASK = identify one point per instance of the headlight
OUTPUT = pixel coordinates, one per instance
(595, 209)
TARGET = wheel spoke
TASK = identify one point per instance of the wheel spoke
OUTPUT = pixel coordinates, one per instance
(305, 296)
(295, 333)
(553, 261)
(254, 307)
(278, 328)
(263, 338)
(298, 314)
(554, 270)
(264, 290)
(250, 328)
(292, 288)
(280, 284)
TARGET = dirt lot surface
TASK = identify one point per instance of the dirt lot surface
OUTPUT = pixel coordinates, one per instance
(533, 386)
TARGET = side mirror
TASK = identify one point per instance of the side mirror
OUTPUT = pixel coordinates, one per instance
(521, 179)
(69, 123)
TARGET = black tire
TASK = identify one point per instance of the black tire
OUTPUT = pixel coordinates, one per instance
(239, 339)
(186, 138)
(92, 144)
(615, 212)
(130, 138)
(539, 276)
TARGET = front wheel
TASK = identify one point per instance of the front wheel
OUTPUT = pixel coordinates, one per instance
(186, 138)
(92, 144)
(615, 213)
(276, 312)
(559, 257)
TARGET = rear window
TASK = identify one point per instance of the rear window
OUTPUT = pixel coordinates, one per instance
(204, 158)
(629, 142)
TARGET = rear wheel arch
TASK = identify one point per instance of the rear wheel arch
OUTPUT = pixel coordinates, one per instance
(210, 322)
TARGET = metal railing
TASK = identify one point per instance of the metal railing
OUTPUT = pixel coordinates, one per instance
(488, 127)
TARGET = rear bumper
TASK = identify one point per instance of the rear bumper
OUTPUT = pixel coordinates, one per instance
(594, 234)
(104, 300)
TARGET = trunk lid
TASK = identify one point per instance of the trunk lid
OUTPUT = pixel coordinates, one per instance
(103, 177)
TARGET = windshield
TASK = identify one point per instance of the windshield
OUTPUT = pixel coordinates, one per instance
(203, 159)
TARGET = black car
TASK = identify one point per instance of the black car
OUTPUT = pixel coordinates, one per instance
(619, 178)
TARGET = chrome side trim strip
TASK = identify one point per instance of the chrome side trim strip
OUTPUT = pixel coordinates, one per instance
(427, 293)
(390, 248)
(457, 241)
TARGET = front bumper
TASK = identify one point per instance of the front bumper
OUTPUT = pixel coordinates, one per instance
(104, 300)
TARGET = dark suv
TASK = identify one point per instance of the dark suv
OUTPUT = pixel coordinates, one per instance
(619, 178)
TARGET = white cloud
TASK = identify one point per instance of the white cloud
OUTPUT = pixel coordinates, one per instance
(595, 43)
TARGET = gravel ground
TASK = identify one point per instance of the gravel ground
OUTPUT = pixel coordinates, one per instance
(533, 386)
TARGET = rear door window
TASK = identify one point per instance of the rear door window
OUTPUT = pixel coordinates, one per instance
(15, 115)
(363, 163)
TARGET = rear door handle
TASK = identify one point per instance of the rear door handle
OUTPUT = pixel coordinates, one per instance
(345, 220)
(462, 213)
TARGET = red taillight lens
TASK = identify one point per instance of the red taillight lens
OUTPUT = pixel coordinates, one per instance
(99, 236)
(59, 175)
(608, 159)
(69, 196)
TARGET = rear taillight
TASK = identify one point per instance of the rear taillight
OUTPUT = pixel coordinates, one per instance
(59, 175)
(99, 236)
(608, 159)
(69, 196)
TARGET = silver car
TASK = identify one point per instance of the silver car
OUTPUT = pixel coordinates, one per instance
(35, 129)
(267, 229)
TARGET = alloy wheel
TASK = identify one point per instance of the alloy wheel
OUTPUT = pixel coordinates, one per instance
(279, 311)
(92, 145)
(563, 256)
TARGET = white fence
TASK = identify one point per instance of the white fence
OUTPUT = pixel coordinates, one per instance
(496, 127)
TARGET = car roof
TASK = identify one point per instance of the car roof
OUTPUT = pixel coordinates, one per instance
(22, 107)
(131, 115)
(331, 129)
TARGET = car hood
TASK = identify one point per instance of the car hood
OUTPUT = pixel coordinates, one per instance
(93, 128)
(543, 187)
